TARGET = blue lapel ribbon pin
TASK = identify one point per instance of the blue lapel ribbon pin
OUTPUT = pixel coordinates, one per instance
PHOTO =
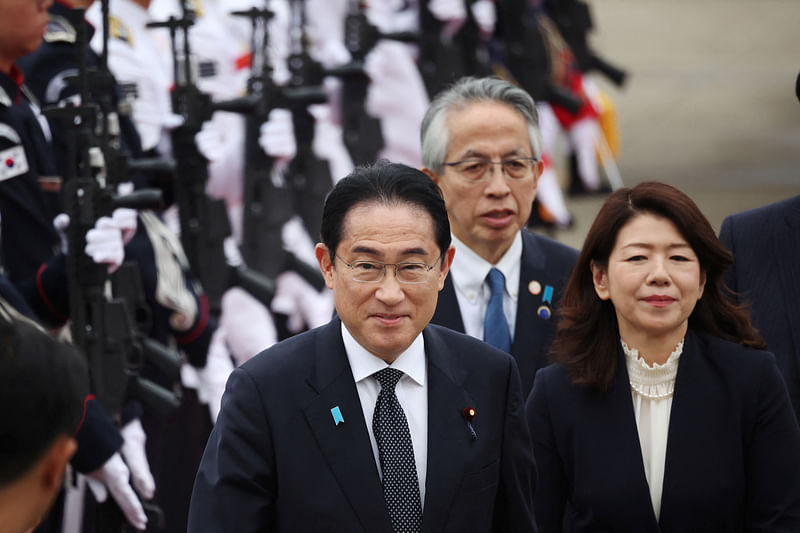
(544, 312)
(337, 415)
(548, 294)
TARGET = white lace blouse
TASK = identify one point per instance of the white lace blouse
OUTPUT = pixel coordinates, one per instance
(652, 389)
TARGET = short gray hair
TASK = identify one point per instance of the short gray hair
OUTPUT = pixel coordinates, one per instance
(434, 133)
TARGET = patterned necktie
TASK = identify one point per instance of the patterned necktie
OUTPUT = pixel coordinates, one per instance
(400, 484)
(495, 327)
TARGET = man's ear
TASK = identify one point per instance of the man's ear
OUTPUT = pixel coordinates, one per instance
(600, 279)
(447, 261)
(538, 168)
(432, 174)
(55, 461)
(325, 263)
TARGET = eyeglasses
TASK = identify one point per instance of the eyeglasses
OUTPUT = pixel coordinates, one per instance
(475, 170)
(374, 271)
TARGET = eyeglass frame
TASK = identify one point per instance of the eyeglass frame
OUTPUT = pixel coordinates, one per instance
(351, 266)
(502, 163)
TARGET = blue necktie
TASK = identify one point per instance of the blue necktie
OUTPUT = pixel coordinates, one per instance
(495, 327)
(396, 453)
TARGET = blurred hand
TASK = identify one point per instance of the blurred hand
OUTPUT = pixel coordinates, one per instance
(104, 243)
(126, 220)
(61, 223)
(133, 452)
(302, 303)
(211, 379)
(485, 15)
(277, 135)
(114, 477)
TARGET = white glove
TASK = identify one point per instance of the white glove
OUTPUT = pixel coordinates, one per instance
(126, 220)
(134, 454)
(213, 377)
(329, 144)
(210, 142)
(452, 12)
(302, 303)
(448, 9)
(277, 135)
(396, 96)
(247, 323)
(61, 223)
(104, 243)
(485, 15)
(114, 477)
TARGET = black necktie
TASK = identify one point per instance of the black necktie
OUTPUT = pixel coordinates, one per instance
(400, 483)
(495, 326)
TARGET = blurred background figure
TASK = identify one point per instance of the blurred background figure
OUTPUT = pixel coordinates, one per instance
(37, 433)
(765, 245)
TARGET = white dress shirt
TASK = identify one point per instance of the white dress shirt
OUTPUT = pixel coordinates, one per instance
(652, 389)
(469, 271)
(411, 392)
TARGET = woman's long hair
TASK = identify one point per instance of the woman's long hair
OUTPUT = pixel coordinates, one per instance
(588, 334)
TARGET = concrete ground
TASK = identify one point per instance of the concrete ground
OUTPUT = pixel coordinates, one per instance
(710, 103)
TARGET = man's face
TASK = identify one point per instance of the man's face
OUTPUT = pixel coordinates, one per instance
(385, 316)
(22, 25)
(487, 215)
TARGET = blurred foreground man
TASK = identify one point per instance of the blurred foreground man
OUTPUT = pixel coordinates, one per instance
(376, 421)
(46, 382)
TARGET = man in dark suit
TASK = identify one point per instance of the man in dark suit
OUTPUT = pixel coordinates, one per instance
(765, 243)
(481, 144)
(306, 440)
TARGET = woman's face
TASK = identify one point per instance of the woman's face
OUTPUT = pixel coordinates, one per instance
(653, 278)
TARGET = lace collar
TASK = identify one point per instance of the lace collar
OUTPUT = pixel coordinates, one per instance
(654, 382)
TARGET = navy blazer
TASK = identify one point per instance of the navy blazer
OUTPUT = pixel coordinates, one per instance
(544, 260)
(733, 448)
(765, 243)
(276, 461)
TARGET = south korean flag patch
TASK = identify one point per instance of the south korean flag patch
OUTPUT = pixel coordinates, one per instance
(13, 163)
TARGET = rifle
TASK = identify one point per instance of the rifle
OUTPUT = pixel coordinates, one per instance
(362, 132)
(443, 59)
(108, 315)
(309, 176)
(100, 322)
(204, 221)
(268, 201)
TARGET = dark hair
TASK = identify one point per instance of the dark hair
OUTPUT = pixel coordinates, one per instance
(384, 183)
(43, 383)
(588, 335)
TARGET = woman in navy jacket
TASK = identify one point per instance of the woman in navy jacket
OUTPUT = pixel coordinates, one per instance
(661, 412)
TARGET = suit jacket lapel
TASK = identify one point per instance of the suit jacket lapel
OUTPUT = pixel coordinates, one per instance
(627, 448)
(682, 437)
(449, 439)
(346, 446)
(787, 244)
(530, 329)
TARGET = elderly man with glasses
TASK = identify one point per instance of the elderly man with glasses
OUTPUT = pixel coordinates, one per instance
(377, 421)
(482, 145)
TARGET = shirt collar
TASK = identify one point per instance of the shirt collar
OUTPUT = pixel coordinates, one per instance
(363, 364)
(469, 270)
